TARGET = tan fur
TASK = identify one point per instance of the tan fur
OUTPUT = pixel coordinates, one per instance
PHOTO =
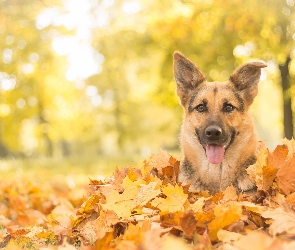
(238, 138)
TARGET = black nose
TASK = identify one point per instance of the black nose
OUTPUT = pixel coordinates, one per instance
(213, 133)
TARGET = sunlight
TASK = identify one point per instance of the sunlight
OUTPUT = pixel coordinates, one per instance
(83, 60)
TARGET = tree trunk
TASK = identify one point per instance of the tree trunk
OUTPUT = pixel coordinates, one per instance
(288, 116)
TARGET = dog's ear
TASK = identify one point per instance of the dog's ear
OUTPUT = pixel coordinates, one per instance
(187, 76)
(246, 78)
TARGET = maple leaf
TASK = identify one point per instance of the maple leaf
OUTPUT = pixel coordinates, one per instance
(198, 205)
(278, 156)
(90, 205)
(283, 221)
(174, 202)
(121, 204)
(286, 177)
(291, 146)
(262, 172)
(146, 193)
(225, 214)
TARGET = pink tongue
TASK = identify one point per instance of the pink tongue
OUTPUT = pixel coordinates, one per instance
(214, 153)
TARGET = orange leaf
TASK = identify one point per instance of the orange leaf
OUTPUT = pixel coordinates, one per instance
(278, 156)
(286, 177)
(188, 224)
(225, 214)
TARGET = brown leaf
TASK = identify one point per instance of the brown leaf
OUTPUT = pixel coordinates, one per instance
(188, 224)
(286, 177)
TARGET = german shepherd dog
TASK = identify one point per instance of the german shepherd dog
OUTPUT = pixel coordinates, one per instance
(217, 137)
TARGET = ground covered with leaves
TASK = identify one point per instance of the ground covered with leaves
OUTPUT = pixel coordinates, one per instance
(146, 209)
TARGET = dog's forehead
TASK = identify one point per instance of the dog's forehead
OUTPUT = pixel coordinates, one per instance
(216, 89)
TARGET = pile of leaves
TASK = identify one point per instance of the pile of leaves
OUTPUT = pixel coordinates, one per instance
(147, 209)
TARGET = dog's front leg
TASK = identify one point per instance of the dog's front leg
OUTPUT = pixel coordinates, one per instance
(244, 183)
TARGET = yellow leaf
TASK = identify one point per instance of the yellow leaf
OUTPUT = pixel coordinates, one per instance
(230, 194)
(90, 205)
(225, 214)
(198, 205)
(146, 193)
(227, 236)
(121, 204)
(251, 206)
(256, 240)
(262, 172)
(283, 221)
(173, 243)
(174, 202)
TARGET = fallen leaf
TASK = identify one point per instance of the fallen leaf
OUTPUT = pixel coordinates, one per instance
(198, 205)
(173, 243)
(225, 214)
(291, 147)
(230, 194)
(262, 172)
(146, 193)
(227, 236)
(255, 240)
(121, 204)
(283, 221)
(188, 224)
(278, 156)
(286, 177)
(174, 202)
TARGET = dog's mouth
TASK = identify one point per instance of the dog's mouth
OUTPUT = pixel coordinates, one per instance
(215, 153)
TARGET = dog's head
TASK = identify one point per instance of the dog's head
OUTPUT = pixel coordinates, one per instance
(215, 111)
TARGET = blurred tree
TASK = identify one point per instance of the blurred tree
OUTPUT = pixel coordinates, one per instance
(32, 81)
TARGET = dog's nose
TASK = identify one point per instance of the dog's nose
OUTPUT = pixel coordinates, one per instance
(213, 133)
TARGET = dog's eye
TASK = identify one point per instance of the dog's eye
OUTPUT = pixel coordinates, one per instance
(228, 107)
(201, 108)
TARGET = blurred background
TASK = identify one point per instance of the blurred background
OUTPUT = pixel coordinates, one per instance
(87, 85)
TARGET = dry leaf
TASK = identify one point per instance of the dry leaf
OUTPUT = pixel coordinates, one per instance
(291, 146)
(256, 240)
(278, 156)
(188, 224)
(225, 214)
(198, 205)
(121, 204)
(286, 177)
(283, 221)
(227, 236)
(174, 202)
(263, 172)
(230, 194)
(146, 193)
